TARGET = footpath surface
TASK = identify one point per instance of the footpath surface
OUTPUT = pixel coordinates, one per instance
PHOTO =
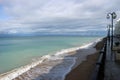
(112, 68)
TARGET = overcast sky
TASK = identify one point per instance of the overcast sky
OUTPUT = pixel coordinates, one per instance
(55, 16)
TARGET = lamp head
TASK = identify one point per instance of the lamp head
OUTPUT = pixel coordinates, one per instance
(114, 15)
(108, 16)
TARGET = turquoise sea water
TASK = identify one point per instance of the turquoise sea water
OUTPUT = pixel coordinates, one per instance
(16, 52)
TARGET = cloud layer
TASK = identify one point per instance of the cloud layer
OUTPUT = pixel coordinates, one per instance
(55, 16)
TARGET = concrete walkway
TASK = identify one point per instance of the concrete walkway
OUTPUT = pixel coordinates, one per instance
(112, 68)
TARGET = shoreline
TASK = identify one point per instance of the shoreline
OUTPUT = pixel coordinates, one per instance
(17, 72)
(85, 69)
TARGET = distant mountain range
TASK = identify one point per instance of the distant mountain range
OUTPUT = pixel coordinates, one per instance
(88, 33)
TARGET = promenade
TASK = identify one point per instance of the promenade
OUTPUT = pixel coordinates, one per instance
(112, 67)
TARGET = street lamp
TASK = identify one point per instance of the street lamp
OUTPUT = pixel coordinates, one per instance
(112, 16)
(108, 34)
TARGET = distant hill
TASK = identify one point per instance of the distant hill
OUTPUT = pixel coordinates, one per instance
(88, 33)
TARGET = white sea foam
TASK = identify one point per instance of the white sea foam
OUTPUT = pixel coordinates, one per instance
(52, 67)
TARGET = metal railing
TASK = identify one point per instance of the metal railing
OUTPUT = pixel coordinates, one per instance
(98, 73)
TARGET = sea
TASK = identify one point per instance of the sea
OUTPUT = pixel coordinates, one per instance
(19, 51)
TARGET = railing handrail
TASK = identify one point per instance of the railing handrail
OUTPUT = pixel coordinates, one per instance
(98, 73)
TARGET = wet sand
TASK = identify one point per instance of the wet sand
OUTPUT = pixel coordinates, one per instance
(85, 69)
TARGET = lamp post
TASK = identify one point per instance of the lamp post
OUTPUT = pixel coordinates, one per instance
(108, 34)
(112, 16)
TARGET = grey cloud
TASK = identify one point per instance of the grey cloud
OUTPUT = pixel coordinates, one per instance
(34, 16)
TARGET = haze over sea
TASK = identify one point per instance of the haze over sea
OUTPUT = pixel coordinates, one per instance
(19, 51)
